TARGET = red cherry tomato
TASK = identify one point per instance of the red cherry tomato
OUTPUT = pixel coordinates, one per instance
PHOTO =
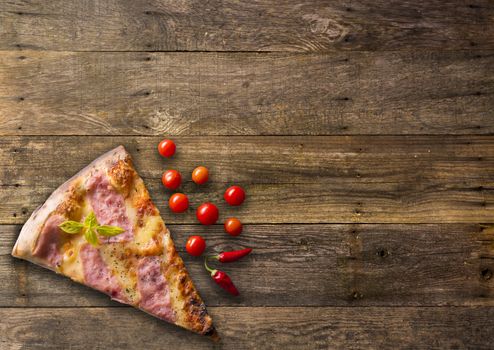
(200, 175)
(195, 245)
(171, 179)
(207, 214)
(233, 226)
(178, 202)
(234, 195)
(167, 148)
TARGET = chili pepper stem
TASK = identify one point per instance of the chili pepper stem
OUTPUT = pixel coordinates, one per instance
(210, 270)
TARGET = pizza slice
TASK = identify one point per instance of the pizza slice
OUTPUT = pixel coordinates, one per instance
(101, 229)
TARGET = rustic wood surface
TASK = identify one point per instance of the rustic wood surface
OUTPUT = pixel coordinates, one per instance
(363, 132)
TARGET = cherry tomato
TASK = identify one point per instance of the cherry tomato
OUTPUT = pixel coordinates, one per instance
(207, 214)
(178, 202)
(200, 175)
(234, 195)
(233, 226)
(171, 179)
(195, 245)
(167, 148)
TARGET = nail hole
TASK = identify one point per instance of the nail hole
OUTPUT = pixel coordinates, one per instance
(19, 128)
(22, 57)
(148, 58)
(472, 43)
(486, 274)
(382, 253)
(348, 9)
(21, 98)
(14, 215)
(16, 185)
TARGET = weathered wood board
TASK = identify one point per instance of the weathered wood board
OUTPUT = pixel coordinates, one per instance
(94, 93)
(267, 25)
(347, 265)
(253, 327)
(340, 179)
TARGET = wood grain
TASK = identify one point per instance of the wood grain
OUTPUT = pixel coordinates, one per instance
(266, 328)
(419, 92)
(267, 25)
(304, 265)
(341, 179)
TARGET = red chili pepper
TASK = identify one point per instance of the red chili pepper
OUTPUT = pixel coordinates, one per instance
(222, 279)
(234, 255)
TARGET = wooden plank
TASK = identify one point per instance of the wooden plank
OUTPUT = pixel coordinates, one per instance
(266, 25)
(358, 179)
(347, 265)
(419, 92)
(252, 328)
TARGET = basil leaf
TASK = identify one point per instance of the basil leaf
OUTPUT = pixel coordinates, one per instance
(90, 220)
(71, 227)
(91, 237)
(109, 231)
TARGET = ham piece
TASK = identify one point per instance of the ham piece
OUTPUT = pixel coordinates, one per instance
(154, 291)
(109, 206)
(97, 275)
(48, 244)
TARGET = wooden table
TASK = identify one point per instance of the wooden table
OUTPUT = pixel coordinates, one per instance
(363, 132)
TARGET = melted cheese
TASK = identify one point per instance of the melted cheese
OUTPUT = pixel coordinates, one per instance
(71, 264)
(152, 226)
(123, 264)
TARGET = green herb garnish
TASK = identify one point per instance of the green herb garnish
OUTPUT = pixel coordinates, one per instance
(91, 228)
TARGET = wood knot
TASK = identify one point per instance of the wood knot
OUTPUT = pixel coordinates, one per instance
(326, 26)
